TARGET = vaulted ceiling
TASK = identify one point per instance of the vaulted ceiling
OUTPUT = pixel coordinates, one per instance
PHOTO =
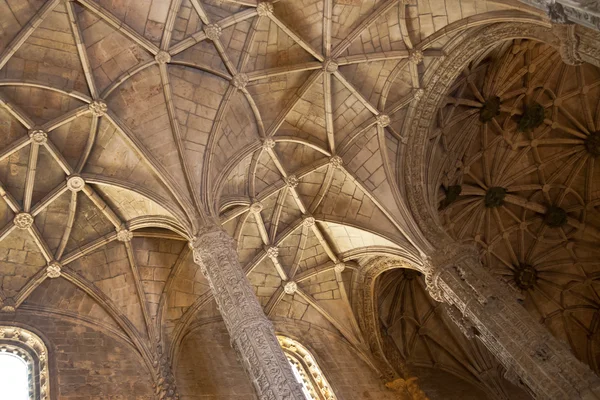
(126, 125)
(516, 155)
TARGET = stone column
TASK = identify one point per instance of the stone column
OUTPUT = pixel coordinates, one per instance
(581, 12)
(487, 309)
(252, 334)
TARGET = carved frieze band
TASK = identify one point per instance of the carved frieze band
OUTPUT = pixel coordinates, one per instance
(582, 12)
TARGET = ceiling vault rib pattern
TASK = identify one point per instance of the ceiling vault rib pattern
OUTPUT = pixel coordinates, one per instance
(287, 131)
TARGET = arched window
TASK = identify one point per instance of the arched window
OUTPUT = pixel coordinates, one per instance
(306, 370)
(23, 365)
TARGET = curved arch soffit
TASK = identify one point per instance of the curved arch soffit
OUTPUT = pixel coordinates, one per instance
(461, 51)
(177, 223)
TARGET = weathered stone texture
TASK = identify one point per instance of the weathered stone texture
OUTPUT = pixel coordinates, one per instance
(88, 364)
(207, 368)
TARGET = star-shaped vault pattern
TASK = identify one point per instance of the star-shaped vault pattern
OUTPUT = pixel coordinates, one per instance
(126, 127)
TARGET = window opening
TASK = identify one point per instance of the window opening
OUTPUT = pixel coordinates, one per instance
(23, 365)
(306, 370)
(14, 380)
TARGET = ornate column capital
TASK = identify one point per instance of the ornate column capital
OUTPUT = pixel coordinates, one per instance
(448, 258)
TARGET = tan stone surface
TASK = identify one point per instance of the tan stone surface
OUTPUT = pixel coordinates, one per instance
(303, 109)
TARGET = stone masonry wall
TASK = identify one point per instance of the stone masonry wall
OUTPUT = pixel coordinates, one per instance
(350, 377)
(87, 364)
(207, 368)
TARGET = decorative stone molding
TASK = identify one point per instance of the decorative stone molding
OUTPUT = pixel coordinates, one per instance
(569, 43)
(272, 251)
(339, 267)
(290, 287)
(336, 161)
(291, 181)
(98, 108)
(53, 270)
(465, 326)
(8, 308)
(75, 183)
(38, 136)
(124, 235)
(308, 368)
(268, 144)
(252, 334)
(239, 81)
(213, 31)
(582, 12)
(264, 8)
(418, 95)
(23, 220)
(308, 221)
(165, 387)
(330, 66)
(32, 350)
(383, 120)
(415, 56)
(162, 57)
(256, 207)
(556, 13)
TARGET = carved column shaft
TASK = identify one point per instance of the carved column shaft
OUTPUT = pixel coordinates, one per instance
(252, 334)
(582, 12)
(526, 349)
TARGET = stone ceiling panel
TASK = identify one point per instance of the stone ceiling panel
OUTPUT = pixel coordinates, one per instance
(276, 94)
(384, 35)
(203, 54)
(140, 103)
(21, 260)
(59, 295)
(89, 224)
(155, 259)
(15, 16)
(110, 52)
(115, 158)
(274, 47)
(13, 170)
(146, 17)
(40, 105)
(525, 165)
(52, 222)
(72, 138)
(110, 271)
(49, 55)
(217, 10)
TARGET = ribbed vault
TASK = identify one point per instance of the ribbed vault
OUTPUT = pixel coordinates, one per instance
(515, 153)
(125, 126)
